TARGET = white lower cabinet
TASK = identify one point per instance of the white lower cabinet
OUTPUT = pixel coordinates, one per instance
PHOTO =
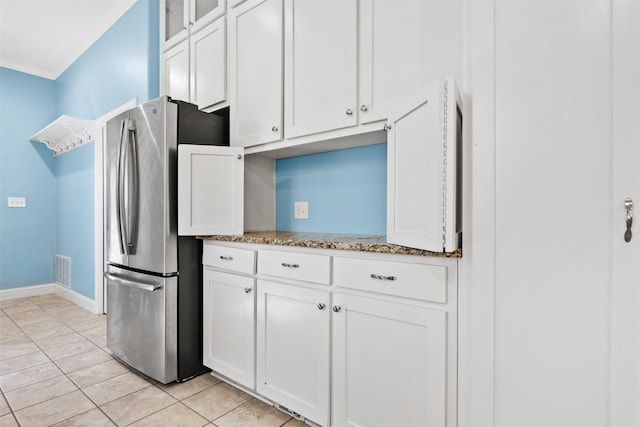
(293, 348)
(229, 325)
(364, 340)
(389, 364)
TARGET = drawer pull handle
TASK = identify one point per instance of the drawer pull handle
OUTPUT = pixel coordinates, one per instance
(287, 265)
(226, 258)
(378, 277)
(336, 308)
(247, 290)
(321, 306)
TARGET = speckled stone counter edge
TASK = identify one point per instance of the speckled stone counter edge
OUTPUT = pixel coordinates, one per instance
(330, 241)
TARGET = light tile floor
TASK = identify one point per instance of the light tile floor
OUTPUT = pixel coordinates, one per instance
(55, 369)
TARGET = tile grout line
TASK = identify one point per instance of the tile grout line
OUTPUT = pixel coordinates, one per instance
(99, 407)
(72, 381)
(59, 316)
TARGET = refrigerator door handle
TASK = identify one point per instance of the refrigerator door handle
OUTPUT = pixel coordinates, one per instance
(145, 286)
(120, 189)
(128, 203)
(132, 241)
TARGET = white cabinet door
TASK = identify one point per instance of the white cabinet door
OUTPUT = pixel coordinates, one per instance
(321, 40)
(174, 22)
(210, 190)
(228, 326)
(403, 46)
(209, 65)
(202, 12)
(181, 18)
(255, 57)
(175, 72)
(422, 160)
(389, 364)
(293, 348)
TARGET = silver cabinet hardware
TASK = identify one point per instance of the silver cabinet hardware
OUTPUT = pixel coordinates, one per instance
(274, 129)
(349, 112)
(287, 265)
(378, 277)
(363, 107)
(226, 258)
(336, 308)
(628, 205)
(247, 290)
(239, 156)
(321, 306)
(386, 127)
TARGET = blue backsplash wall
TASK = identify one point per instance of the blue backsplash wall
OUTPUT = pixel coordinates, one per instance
(346, 191)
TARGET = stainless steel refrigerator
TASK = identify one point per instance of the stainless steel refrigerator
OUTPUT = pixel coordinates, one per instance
(153, 276)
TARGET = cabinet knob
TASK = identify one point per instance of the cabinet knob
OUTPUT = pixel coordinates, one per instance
(336, 308)
(226, 258)
(349, 112)
(363, 107)
(247, 290)
(287, 265)
(386, 127)
(321, 306)
(274, 129)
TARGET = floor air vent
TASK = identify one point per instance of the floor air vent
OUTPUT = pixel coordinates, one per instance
(63, 271)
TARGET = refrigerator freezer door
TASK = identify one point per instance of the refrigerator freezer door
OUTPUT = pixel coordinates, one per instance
(142, 322)
(141, 159)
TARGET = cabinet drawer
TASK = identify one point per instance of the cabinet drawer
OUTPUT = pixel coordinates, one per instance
(291, 265)
(419, 281)
(234, 259)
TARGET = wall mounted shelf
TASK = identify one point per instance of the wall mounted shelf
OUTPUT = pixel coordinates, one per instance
(65, 133)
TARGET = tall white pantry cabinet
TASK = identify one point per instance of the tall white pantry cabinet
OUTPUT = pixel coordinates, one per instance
(549, 289)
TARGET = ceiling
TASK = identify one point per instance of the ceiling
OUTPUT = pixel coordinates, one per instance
(44, 37)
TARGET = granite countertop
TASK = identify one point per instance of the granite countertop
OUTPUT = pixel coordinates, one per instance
(347, 242)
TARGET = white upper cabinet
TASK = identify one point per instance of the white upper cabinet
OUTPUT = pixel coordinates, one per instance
(403, 46)
(207, 65)
(210, 190)
(180, 18)
(255, 64)
(423, 145)
(174, 72)
(321, 51)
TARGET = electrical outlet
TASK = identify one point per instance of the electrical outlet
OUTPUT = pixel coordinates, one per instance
(301, 210)
(17, 202)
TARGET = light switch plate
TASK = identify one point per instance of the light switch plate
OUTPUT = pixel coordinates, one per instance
(301, 210)
(17, 202)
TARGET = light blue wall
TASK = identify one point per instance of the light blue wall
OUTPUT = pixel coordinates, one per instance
(346, 191)
(59, 218)
(27, 235)
(123, 64)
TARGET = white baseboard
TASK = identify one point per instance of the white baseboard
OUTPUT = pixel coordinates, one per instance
(77, 299)
(50, 288)
(27, 291)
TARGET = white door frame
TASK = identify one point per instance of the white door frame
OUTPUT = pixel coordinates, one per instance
(100, 124)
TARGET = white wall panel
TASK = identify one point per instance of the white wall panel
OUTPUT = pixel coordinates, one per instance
(553, 222)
